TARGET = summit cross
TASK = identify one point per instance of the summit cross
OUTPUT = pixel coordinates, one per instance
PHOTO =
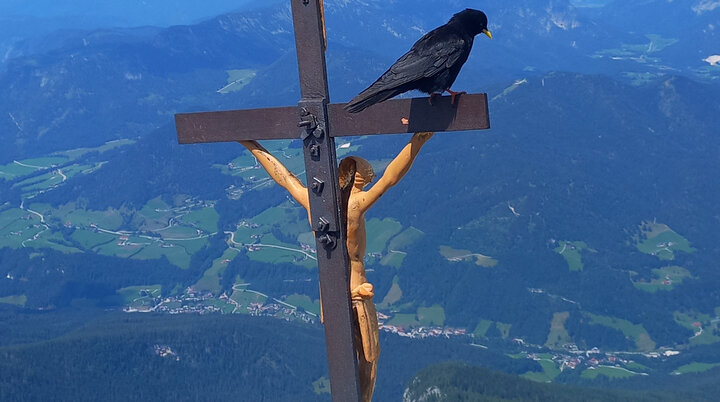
(317, 122)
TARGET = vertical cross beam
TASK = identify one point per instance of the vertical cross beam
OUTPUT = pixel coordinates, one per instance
(324, 195)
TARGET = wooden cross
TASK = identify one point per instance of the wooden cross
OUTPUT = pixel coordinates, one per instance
(317, 123)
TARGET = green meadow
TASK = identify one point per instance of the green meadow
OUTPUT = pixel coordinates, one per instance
(49, 177)
(484, 326)
(425, 316)
(606, 371)
(246, 167)
(321, 385)
(205, 219)
(115, 249)
(695, 367)
(39, 183)
(273, 251)
(17, 300)
(434, 315)
(393, 259)
(504, 329)
(661, 241)
(405, 320)
(76, 169)
(155, 215)
(97, 231)
(656, 44)
(387, 239)
(306, 238)
(15, 219)
(636, 332)
(19, 169)
(12, 171)
(260, 231)
(406, 238)
(379, 233)
(393, 295)
(191, 246)
(52, 240)
(571, 251)
(702, 325)
(177, 254)
(707, 337)
(44, 162)
(240, 166)
(74, 215)
(237, 79)
(140, 296)
(665, 278)
(73, 154)
(637, 367)
(19, 229)
(224, 306)
(549, 371)
(179, 232)
(481, 329)
(210, 280)
(244, 298)
(558, 335)
(303, 301)
(455, 255)
(244, 235)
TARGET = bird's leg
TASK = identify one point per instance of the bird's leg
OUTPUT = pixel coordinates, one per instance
(432, 96)
(453, 94)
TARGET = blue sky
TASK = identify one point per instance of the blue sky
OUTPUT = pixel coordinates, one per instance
(145, 12)
(126, 12)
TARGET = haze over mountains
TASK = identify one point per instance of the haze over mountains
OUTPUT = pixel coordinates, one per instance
(154, 66)
(128, 13)
(586, 217)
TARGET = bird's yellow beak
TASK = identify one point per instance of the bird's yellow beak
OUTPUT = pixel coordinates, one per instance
(488, 33)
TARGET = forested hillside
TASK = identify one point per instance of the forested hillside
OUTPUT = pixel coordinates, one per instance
(459, 382)
(120, 357)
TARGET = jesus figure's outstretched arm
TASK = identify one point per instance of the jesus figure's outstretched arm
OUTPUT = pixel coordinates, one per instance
(396, 169)
(279, 173)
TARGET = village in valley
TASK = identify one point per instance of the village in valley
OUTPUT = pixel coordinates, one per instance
(591, 362)
(246, 301)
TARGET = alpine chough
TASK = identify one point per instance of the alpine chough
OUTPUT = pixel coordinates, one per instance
(431, 65)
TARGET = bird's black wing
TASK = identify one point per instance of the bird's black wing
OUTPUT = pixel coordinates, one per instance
(431, 55)
(427, 58)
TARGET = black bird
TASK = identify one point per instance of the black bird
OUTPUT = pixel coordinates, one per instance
(431, 65)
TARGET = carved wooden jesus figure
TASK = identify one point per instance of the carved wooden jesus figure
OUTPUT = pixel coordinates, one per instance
(354, 174)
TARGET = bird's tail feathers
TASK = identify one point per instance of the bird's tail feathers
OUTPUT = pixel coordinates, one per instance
(368, 98)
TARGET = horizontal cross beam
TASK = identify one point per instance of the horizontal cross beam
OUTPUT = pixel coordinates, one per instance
(398, 116)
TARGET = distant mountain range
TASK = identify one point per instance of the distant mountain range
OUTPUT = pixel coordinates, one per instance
(126, 13)
(585, 218)
(146, 72)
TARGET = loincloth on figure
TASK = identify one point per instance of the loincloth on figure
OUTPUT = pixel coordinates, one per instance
(367, 323)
